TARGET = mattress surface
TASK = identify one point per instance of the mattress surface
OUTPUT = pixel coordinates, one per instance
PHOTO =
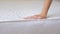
(13, 12)
(30, 27)
(17, 10)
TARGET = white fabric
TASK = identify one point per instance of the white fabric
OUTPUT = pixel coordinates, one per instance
(16, 10)
(12, 12)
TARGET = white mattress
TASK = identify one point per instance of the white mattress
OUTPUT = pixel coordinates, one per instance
(13, 12)
(16, 10)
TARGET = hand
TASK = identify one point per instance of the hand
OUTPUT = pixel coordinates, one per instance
(36, 17)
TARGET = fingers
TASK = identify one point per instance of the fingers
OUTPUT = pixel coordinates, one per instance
(31, 17)
(35, 17)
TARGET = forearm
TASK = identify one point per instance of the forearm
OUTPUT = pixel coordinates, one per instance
(46, 6)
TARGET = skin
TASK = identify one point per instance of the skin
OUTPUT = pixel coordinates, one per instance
(44, 12)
